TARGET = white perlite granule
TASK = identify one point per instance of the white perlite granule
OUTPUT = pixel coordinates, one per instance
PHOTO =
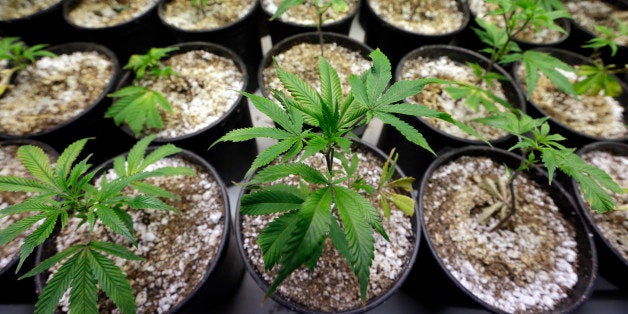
(204, 88)
(99, 13)
(431, 17)
(14, 9)
(332, 287)
(614, 224)
(52, 91)
(435, 97)
(181, 14)
(590, 13)
(177, 248)
(305, 14)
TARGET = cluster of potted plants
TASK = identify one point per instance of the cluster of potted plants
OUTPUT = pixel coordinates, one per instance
(324, 222)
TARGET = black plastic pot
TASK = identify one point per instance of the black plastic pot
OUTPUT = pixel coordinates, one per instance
(224, 272)
(280, 29)
(396, 42)
(125, 39)
(90, 122)
(231, 159)
(371, 304)
(44, 27)
(415, 159)
(587, 257)
(12, 290)
(613, 266)
(574, 138)
(241, 36)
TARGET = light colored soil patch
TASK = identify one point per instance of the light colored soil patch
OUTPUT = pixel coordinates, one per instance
(182, 14)
(302, 60)
(332, 287)
(431, 17)
(589, 13)
(52, 91)
(614, 225)
(528, 266)
(106, 13)
(306, 14)
(15, 9)
(177, 248)
(434, 96)
(203, 91)
(480, 8)
(600, 116)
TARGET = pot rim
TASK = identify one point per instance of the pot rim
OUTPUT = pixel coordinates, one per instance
(161, 13)
(34, 15)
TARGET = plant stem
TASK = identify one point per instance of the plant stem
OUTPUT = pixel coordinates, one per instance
(513, 197)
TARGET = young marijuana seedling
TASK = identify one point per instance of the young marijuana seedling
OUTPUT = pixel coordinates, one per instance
(65, 190)
(329, 203)
(201, 4)
(321, 7)
(137, 105)
(19, 56)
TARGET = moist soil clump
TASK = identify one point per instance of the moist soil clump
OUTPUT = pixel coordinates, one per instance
(101, 14)
(52, 91)
(430, 17)
(528, 265)
(590, 13)
(331, 286)
(306, 14)
(182, 14)
(15, 9)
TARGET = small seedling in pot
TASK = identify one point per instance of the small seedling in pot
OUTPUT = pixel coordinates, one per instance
(119, 5)
(202, 4)
(19, 56)
(66, 189)
(137, 105)
(321, 7)
(335, 202)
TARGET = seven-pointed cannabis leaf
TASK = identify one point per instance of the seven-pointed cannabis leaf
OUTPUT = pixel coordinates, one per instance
(329, 203)
(66, 190)
(19, 57)
(137, 105)
(321, 7)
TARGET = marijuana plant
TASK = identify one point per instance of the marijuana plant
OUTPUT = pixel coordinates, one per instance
(331, 203)
(137, 105)
(65, 190)
(201, 4)
(19, 57)
(321, 7)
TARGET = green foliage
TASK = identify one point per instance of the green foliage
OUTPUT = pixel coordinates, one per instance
(138, 106)
(19, 56)
(335, 202)
(66, 190)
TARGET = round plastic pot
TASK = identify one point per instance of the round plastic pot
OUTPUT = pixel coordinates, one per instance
(241, 36)
(280, 30)
(372, 303)
(134, 36)
(574, 138)
(587, 257)
(224, 272)
(44, 27)
(310, 38)
(12, 290)
(232, 160)
(613, 266)
(90, 122)
(396, 42)
(415, 159)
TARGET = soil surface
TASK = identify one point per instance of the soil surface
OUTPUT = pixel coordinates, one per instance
(306, 14)
(15, 9)
(177, 248)
(431, 17)
(480, 8)
(106, 13)
(434, 96)
(302, 60)
(599, 115)
(331, 286)
(529, 265)
(614, 225)
(589, 13)
(202, 91)
(52, 91)
(182, 14)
